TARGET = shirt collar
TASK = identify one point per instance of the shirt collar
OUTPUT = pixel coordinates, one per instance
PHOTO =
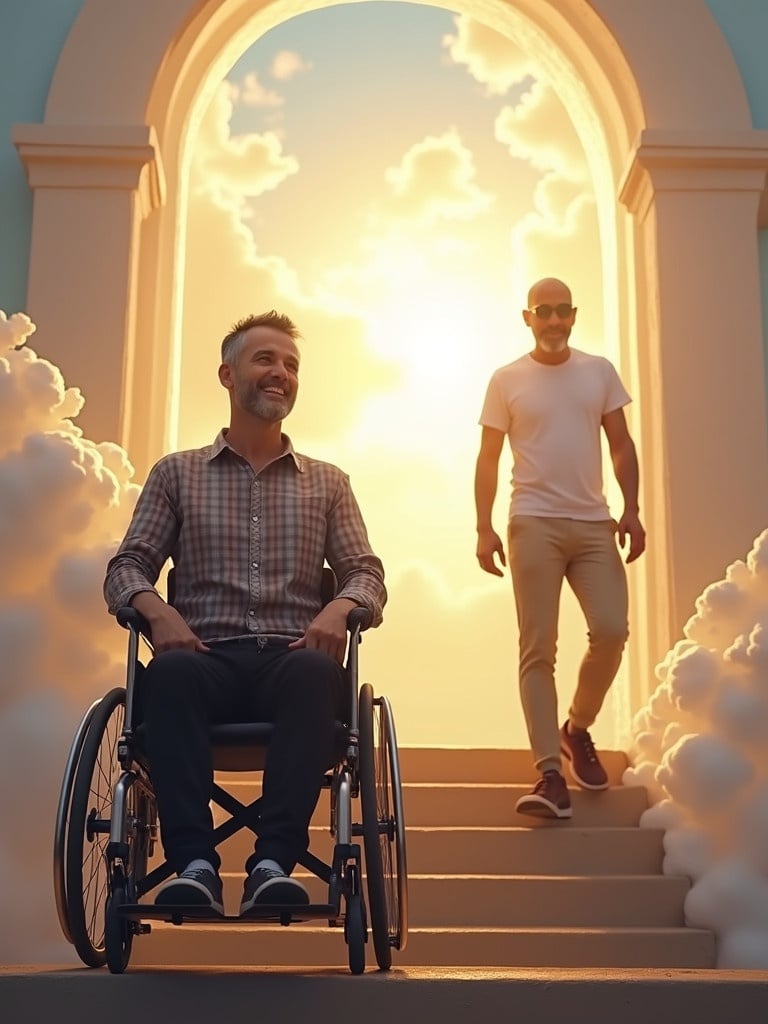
(220, 443)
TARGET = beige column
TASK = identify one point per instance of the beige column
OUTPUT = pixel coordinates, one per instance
(93, 186)
(704, 432)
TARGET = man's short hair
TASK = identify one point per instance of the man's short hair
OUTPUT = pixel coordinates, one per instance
(233, 342)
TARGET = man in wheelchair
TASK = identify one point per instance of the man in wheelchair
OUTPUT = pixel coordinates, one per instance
(248, 524)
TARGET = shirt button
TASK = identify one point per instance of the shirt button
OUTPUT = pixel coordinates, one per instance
(255, 565)
(255, 519)
(251, 611)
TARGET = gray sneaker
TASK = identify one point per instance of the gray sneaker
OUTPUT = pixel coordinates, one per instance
(195, 887)
(266, 887)
(549, 798)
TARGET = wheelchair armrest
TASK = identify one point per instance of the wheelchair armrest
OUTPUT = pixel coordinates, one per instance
(129, 618)
(359, 618)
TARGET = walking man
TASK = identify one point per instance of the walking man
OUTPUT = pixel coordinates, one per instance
(551, 404)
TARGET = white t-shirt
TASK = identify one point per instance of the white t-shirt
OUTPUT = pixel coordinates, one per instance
(552, 416)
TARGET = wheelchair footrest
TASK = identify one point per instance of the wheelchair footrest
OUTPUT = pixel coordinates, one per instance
(274, 913)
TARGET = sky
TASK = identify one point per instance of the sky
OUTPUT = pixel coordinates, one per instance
(394, 177)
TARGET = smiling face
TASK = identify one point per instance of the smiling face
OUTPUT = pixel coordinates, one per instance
(263, 378)
(552, 324)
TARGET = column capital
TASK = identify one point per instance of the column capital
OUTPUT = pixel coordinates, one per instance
(687, 162)
(121, 158)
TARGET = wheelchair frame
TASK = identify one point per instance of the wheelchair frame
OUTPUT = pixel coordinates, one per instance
(106, 825)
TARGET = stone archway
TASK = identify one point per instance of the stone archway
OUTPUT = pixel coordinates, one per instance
(678, 167)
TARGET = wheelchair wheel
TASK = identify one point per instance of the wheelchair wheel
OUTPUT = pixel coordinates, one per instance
(383, 827)
(355, 927)
(87, 871)
(62, 822)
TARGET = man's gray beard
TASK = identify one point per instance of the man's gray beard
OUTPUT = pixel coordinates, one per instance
(554, 346)
(252, 398)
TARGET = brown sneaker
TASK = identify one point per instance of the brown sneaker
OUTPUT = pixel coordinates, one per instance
(585, 765)
(548, 799)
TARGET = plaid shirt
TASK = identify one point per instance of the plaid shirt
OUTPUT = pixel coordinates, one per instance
(248, 548)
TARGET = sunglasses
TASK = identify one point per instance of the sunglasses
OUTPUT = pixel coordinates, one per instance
(564, 310)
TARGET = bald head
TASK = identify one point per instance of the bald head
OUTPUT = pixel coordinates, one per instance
(550, 316)
(549, 289)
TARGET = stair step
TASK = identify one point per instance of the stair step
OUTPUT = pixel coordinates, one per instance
(464, 764)
(488, 888)
(547, 902)
(487, 804)
(466, 947)
(490, 850)
(451, 995)
(479, 764)
(515, 901)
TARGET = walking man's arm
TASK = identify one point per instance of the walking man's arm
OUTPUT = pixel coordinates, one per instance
(489, 543)
(627, 472)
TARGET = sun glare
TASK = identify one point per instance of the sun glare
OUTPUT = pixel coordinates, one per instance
(430, 331)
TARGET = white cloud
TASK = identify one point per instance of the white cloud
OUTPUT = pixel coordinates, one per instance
(687, 850)
(538, 129)
(723, 611)
(740, 711)
(731, 894)
(32, 393)
(691, 679)
(664, 815)
(253, 94)
(704, 733)
(287, 64)
(64, 504)
(491, 59)
(704, 773)
(15, 330)
(435, 180)
(240, 165)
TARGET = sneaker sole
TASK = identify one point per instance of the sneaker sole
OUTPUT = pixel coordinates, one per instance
(580, 782)
(536, 808)
(281, 892)
(188, 894)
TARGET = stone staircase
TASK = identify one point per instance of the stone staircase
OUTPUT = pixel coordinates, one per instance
(487, 888)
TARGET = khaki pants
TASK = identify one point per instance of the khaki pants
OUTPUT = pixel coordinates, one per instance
(542, 553)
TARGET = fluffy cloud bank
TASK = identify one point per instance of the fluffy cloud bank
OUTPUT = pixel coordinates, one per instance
(64, 504)
(701, 748)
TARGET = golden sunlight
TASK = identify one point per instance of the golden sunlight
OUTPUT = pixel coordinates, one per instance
(400, 281)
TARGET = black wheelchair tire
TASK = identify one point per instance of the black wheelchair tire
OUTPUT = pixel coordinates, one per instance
(62, 822)
(372, 835)
(118, 932)
(355, 927)
(86, 909)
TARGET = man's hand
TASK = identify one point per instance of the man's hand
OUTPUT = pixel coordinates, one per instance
(169, 630)
(327, 632)
(631, 527)
(488, 546)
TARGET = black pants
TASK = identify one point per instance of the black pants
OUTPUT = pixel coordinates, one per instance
(302, 692)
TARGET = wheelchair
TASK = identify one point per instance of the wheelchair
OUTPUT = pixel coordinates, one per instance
(107, 826)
